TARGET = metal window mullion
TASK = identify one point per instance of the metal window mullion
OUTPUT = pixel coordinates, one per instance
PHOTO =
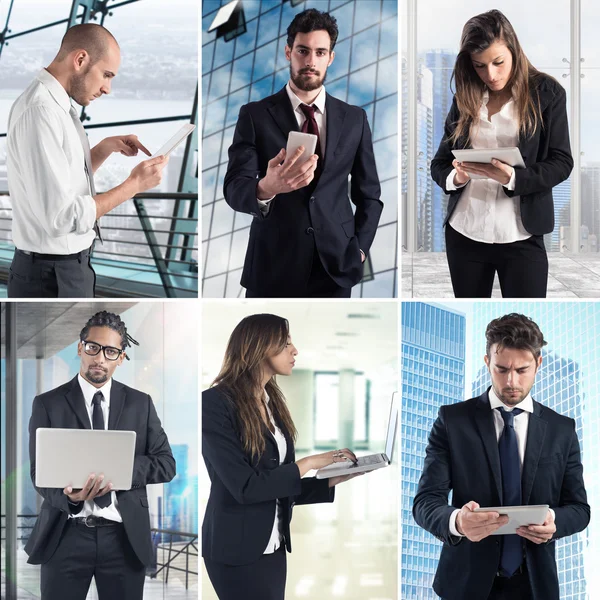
(411, 137)
(575, 64)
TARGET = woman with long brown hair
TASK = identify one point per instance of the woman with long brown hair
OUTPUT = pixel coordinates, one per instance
(248, 446)
(497, 214)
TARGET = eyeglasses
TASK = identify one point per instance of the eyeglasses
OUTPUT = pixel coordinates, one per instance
(110, 352)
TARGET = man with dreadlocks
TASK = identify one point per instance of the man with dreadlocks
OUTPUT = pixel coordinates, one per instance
(93, 532)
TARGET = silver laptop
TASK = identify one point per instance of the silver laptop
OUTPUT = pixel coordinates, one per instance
(66, 457)
(372, 461)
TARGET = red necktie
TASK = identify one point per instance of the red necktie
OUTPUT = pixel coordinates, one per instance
(310, 126)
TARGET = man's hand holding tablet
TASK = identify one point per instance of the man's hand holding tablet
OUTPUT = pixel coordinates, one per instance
(92, 489)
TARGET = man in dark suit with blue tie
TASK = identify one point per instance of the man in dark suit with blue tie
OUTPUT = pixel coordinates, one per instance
(501, 449)
(305, 240)
(93, 532)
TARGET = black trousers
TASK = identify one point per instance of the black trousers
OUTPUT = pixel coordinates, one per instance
(100, 552)
(262, 580)
(60, 277)
(522, 267)
(319, 285)
(515, 588)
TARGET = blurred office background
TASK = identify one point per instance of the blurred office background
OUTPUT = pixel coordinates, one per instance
(39, 353)
(559, 38)
(243, 61)
(443, 346)
(150, 243)
(339, 395)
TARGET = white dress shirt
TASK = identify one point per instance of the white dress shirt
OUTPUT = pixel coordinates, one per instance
(484, 212)
(320, 118)
(275, 539)
(520, 423)
(53, 209)
(89, 506)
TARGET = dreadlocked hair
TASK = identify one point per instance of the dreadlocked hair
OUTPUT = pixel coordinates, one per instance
(114, 322)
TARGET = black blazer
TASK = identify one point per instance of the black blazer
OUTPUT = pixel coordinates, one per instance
(280, 249)
(462, 456)
(130, 410)
(241, 506)
(547, 157)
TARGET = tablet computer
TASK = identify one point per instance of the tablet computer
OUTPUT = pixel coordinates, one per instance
(297, 139)
(511, 156)
(171, 144)
(66, 457)
(519, 516)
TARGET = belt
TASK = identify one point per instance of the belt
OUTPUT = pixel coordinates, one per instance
(54, 257)
(92, 521)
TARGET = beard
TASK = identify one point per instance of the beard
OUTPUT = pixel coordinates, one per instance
(509, 398)
(96, 377)
(304, 83)
(78, 88)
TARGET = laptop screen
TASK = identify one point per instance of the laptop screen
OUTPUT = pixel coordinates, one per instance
(391, 432)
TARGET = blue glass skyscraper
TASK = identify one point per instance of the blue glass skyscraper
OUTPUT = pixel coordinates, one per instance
(433, 374)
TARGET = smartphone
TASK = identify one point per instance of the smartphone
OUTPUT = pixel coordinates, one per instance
(297, 139)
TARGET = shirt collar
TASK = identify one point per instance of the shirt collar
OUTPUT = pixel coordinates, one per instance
(57, 91)
(526, 404)
(89, 390)
(319, 101)
(486, 98)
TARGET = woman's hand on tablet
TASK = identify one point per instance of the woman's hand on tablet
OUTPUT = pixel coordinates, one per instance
(497, 170)
(461, 176)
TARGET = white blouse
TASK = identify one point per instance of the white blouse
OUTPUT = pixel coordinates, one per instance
(484, 212)
(275, 539)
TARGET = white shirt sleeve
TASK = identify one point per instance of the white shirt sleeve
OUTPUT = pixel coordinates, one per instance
(264, 205)
(38, 133)
(453, 529)
(511, 184)
(450, 186)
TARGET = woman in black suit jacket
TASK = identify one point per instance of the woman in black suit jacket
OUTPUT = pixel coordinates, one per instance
(248, 447)
(496, 224)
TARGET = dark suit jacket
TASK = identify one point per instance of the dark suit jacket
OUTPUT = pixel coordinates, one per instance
(462, 456)
(241, 507)
(280, 249)
(547, 157)
(130, 410)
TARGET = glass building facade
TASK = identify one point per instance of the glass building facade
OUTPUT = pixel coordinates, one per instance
(433, 374)
(567, 382)
(252, 66)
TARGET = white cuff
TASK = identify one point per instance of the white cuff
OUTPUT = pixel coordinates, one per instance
(450, 185)
(553, 515)
(511, 184)
(453, 529)
(265, 205)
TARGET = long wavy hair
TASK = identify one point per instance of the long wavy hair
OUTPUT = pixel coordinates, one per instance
(478, 34)
(253, 341)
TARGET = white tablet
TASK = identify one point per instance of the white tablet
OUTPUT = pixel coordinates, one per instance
(297, 139)
(519, 516)
(66, 457)
(511, 156)
(169, 146)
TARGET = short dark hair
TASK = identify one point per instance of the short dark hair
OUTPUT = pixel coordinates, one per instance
(114, 322)
(515, 331)
(312, 20)
(91, 37)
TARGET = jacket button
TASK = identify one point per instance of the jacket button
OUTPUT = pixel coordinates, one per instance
(312, 198)
(310, 230)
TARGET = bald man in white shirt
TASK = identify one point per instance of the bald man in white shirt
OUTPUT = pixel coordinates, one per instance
(51, 165)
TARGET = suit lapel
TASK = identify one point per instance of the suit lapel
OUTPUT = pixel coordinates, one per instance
(335, 114)
(77, 403)
(536, 431)
(282, 113)
(485, 423)
(117, 402)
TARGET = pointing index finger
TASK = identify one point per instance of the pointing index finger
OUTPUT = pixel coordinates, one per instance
(142, 147)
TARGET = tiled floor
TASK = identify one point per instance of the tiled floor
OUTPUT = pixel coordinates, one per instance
(425, 275)
(347, 549)
(28, 582)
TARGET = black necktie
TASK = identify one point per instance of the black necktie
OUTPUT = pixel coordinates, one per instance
(511, 555)
(98, 423)
(310, 126)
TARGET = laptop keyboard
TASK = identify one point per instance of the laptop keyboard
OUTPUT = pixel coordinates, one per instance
(372, 459)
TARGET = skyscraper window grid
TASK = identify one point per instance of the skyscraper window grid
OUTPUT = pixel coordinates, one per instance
(253, 66)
